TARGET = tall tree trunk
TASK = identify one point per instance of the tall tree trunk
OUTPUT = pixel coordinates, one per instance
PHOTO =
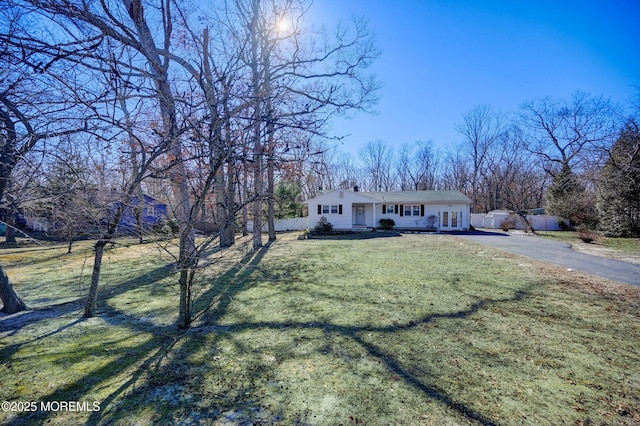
(92, 299)
(10, 218)
(271, 211)
(231, 203)
(10, 300)
(221, 208)
(257, 203)
(178, 173)
(227, 212)
(245, 209)
(184, 317)
(10, 233)
(139, 213)
(258, 148)
(270, 128)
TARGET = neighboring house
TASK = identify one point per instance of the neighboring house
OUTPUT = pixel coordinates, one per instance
(349, 209)
(153, 212)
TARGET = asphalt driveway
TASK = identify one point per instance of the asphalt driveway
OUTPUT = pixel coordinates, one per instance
(558, 253)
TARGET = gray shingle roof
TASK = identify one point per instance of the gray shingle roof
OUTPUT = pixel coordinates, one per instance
(419, 196)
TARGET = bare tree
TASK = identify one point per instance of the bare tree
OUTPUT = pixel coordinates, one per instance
(298, 82)
(418, 167)
(481, 128)
(255, 84)
(347, 172)
(569, 132)
(377, 158)
(514, 180)
(127, 24)
(33, 108)
(570, 139)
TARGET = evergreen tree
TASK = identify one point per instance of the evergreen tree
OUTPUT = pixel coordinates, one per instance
(568, 198)
(619, 198)
(288, 203)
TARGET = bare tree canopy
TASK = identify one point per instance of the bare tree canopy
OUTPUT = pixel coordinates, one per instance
(570, 133)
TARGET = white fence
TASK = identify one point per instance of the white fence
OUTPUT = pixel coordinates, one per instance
(292, 224)
(487, 220)
(494, 220)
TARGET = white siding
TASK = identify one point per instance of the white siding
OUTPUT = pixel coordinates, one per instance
(422, 222)
(339, 221)
(349, 200)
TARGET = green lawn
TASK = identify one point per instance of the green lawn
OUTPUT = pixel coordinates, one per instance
(413, 329)
(629, 246)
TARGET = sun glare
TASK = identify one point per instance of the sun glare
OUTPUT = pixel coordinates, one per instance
(283, 26)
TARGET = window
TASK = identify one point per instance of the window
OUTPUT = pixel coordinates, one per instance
(330, 209)
(445, 219)
(454, 219)
(411, 210)
(389, 209)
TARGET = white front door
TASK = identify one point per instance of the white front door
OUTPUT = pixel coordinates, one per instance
(360, 220)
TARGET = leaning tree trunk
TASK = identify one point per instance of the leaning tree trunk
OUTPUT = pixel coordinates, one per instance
(10, 300)
(92, 299)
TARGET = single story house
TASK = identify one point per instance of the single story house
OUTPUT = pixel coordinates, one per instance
(348, 209)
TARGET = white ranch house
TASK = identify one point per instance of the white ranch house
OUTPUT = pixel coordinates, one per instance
(347, 209)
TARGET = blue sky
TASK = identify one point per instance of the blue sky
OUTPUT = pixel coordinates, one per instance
(442, 58)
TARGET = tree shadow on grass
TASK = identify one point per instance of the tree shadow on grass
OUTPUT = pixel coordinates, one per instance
(149, 363)
(161, 369)
(390, 360)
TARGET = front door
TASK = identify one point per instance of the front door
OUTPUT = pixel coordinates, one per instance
(360, 214)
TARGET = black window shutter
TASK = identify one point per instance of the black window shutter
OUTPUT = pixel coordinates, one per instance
(401, 210)
(384, 209)
(339, 208)
(422, 210)
(319, 208)
(395, 207)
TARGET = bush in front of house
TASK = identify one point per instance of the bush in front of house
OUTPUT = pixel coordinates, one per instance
(324, 226)
(387, 224)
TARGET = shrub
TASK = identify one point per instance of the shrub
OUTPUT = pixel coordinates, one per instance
(387, 224)
(564, 226)
(324, 226)
(508, 223)
(432, 222)
(167, 227)
(587, 235)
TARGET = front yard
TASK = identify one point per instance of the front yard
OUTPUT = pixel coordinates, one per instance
(411, 329)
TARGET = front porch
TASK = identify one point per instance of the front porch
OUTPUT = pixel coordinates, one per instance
(363, 216)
